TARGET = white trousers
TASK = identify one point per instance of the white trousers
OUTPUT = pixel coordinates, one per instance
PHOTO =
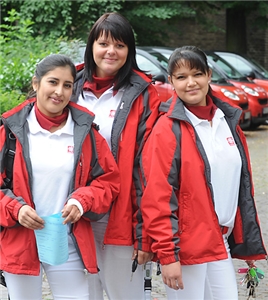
(114, 276)
(66, 281)
(209, 281)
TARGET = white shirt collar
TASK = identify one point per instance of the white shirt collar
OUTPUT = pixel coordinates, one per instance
(196, 121)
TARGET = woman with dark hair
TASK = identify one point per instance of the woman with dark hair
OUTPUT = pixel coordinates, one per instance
(198, 205)
(126, 106)
(64, 170)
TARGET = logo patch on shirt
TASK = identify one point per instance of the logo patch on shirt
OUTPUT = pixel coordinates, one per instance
(231, 141)
(112, 113)
(70, 149)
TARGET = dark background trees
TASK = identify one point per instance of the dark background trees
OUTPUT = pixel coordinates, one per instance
(31, 29)
(73, 19)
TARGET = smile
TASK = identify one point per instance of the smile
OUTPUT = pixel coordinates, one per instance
(55, 99)
(192, 91)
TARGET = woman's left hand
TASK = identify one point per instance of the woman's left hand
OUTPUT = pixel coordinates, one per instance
(71, 214)
(250, 263)
(143, 257)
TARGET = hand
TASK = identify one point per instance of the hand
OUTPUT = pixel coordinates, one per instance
(172, 276)
(71, 214)
(143, 257)
(28, 218)
(251, 263)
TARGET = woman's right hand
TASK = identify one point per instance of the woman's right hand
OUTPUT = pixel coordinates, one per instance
(172, 275)
(28, 218)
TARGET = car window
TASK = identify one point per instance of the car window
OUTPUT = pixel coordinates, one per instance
(228, 69)
(161, 58)
(261, 69)
(237, 63)
(146, 65)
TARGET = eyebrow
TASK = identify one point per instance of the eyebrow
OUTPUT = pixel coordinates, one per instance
(55, 78)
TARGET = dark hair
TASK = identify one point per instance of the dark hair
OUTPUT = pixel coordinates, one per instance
(194, 57)
(119, 28)
(50, 63)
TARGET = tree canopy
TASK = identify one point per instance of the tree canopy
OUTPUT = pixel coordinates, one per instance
(73, 19)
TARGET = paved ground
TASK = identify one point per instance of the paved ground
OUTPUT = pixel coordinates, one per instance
(258, 147)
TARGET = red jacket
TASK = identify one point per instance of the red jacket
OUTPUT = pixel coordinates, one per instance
(177, 208)
(95, 184)
(134, 119)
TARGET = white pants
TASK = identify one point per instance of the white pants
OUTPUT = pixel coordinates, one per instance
(66, 281)
(114, 276)
(209, 281)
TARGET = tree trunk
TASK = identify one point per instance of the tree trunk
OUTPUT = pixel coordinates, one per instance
(236, 37)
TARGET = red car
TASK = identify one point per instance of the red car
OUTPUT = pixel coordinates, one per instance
(257, 96)
(248, 67)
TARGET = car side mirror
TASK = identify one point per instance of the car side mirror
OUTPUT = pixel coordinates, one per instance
(251, 75)
(159, 77)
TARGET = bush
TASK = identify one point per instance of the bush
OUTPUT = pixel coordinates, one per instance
(10, 99)
(19, 54)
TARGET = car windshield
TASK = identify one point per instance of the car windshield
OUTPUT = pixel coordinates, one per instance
(238, 63)
(227, 68)
(216, 77)
(146, 65)
(261, 69)
(161, 58)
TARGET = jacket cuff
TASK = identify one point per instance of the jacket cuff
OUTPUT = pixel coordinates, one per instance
(168, 260)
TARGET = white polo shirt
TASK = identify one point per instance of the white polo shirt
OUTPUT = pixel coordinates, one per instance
(52, 158)
(225, 163)
(104, 109)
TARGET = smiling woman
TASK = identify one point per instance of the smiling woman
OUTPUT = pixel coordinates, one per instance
(125, 104)
(195, 194)
(56, 142)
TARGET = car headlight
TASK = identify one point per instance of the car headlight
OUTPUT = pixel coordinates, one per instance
(230, 94)
(249, 91)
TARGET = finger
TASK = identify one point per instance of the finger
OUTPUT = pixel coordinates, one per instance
(134, 254)
(31, 223)
(73, 217)
(179, 284)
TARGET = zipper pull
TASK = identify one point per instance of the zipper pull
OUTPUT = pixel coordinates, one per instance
(85, 272)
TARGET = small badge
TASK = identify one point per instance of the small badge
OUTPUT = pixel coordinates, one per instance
(230, 141)
(70, 149)
(112, 113)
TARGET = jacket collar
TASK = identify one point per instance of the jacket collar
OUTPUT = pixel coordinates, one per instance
(175, 109)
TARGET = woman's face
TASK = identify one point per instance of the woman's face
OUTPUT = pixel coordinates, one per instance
(54, 91)
(191, 85)
(109, 55)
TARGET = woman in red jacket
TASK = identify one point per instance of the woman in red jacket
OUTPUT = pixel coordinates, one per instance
(198, 206)
(62, 166)
(126, 106)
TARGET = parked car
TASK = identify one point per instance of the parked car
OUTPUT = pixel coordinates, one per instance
(257, 96)
(155, 66)
(223, 89)
(251, 69)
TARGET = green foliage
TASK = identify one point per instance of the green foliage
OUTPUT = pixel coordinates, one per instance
(68, 18)
(10, 99)
(19, 54)
(73, 19)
